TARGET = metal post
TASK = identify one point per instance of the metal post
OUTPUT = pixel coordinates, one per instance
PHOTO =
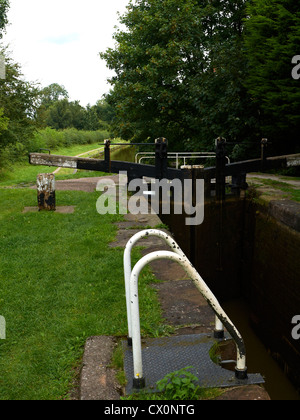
(161, 158)
(139, 380)
(107, 144)
(238, 183)
(46, 192)
(220, 169)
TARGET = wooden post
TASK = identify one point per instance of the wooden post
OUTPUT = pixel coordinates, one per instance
(46, 192)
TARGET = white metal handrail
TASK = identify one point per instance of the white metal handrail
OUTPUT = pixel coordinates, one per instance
(219, 328)
(127, 264)
(139, 379)
(176, 155)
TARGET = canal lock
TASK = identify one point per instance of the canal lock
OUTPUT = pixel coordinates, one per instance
(250, 260)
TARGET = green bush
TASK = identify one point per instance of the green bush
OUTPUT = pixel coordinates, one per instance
(10, 154)
(51, 139)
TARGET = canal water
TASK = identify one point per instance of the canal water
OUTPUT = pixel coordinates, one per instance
(124, 154)
(258, 358)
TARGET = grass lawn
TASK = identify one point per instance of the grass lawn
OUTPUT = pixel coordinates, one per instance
(59, 284)
(24, 173)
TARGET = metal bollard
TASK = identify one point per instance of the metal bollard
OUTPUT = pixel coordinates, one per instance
(46, 192)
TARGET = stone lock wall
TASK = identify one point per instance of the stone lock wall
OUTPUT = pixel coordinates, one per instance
(275, 283)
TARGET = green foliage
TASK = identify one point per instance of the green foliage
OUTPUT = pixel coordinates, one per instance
(179, 72)
(64, 114)
(53, 93)
(56, 111)
(179, 385)
(51, 139)
(3, 121)
(272, 39)
(18, 99)
(4, 5)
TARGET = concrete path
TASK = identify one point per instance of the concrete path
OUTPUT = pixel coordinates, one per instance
(292, 182)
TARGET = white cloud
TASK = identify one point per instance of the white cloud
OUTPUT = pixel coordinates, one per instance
(58, 41)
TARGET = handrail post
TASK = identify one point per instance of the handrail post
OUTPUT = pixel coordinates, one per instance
(139, 380)
(127, 265)
(219, 328)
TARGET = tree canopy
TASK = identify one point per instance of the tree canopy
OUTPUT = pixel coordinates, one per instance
(179, 72)
(272, 39)
(56, 111)
(18, 100)
(193, 70)
(4, 6)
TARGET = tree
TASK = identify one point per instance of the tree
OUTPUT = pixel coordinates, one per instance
(48, 96)
(4, 6)
(59, 115)
(179, 70)
(64, 114)
(53, 93)
(18, 100)
(3, 121)
(104, 111)
(92, 122)
(272, 39)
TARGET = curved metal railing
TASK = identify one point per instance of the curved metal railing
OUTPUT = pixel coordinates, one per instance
(139, 379)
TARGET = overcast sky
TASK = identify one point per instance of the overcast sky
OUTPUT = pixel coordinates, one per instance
(58, 41)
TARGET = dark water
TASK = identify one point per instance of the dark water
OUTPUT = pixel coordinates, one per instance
(124, 154)
(258, 359)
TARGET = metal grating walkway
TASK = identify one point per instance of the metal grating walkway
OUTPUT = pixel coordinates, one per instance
(162, 356)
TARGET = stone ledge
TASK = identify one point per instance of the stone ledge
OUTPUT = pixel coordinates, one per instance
(287, 212)
(98, 381)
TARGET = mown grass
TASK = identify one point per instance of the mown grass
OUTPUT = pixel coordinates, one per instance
(22, 173)
(60, 283)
